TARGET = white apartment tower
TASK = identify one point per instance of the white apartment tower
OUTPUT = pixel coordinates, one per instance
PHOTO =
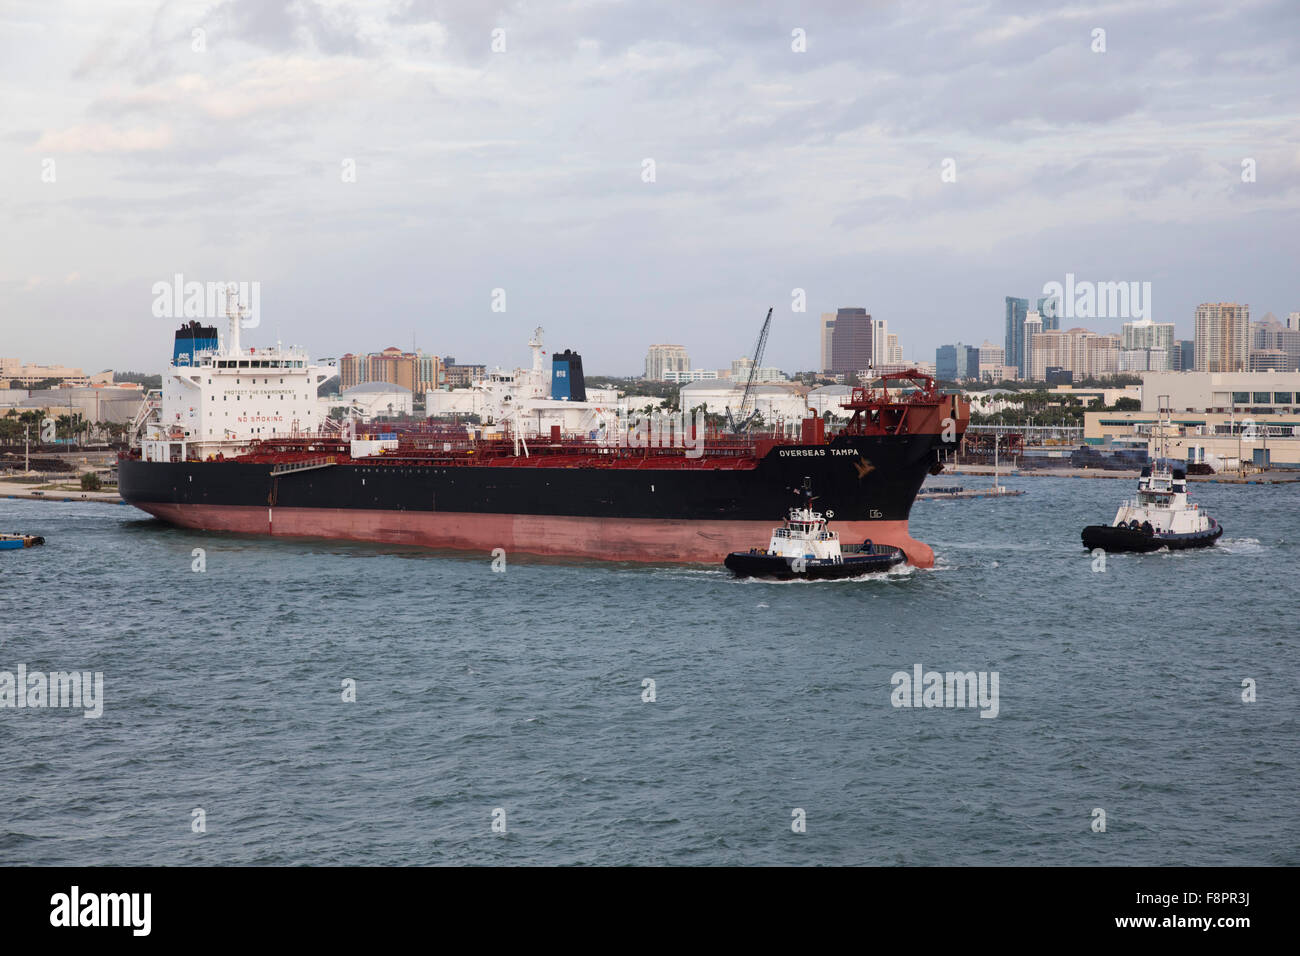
(661, 359)
(1222, 337)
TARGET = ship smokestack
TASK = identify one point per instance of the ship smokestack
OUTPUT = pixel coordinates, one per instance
(567, 381)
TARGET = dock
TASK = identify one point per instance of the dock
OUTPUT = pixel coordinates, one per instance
(942, 494)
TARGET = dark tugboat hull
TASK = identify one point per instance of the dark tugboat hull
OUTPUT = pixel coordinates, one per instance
(747, 564)
(1124, 539)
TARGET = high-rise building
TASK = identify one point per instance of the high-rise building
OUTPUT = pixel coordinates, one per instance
(945, 363)
(665, 358)
(879, 342)
(1270, 335)
(894, 350)
(1184, 356)
(1293, 321)
(851, 341)
(1031, 326)
(455, 375)
(1146, 346)
(741, 367)
(415, 371)
(1048, 308)
(1270, 360)
(827, 329)
(1080, 351)
(1222, 337)
(991, 354)
(955, 363)
(1014, 317)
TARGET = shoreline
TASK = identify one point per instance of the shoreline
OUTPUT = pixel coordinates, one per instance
(16, 490)
(1263, 478)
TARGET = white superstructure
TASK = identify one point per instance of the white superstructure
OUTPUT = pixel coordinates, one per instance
(522, 399)
(806, 536)
(221, 400)
(1162, 502)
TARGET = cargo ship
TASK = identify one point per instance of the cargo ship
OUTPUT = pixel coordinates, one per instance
(230, 445)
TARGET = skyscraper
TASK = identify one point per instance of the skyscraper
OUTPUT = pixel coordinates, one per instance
(945, 363)
(851, 345)
(1270, 335)
(1222, 337)
(894, 350)
(1049, 310)
(665, 358)
(879, 342)
(1032, 325)
(827, 330)
(1146, 346)
(1016, 310)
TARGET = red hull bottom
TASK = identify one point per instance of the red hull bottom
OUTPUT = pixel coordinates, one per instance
(651, 540)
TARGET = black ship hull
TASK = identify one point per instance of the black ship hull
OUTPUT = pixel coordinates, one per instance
(753, 564)
(693, 511)
(1121, 539)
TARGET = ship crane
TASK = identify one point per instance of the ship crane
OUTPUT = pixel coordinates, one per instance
(746, 414)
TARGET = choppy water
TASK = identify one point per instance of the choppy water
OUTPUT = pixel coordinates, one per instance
(523, 691)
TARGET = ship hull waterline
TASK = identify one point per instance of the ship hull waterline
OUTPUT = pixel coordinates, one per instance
(647, 540)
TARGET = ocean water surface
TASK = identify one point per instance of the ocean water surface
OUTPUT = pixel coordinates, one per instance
(519, 698)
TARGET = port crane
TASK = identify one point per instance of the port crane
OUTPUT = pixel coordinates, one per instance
(745, 415)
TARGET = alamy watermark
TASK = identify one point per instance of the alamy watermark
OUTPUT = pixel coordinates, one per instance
(39, 690)
(953, 689)
(179, 299)
(661, 430)
(1096, 300)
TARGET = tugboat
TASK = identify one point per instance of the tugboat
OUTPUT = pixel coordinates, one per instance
(1159, 517)
(12, 542)
(805, 548)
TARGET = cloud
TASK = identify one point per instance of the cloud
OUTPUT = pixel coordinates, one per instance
(522, 169)
(103, 138)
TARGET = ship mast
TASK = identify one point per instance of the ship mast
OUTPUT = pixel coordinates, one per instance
(235, 313)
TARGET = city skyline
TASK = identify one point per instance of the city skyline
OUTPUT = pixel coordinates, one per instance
(665, 182)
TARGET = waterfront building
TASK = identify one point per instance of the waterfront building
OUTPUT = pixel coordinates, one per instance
(1223, 392)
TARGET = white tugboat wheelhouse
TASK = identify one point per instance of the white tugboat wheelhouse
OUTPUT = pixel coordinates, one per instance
(805, 535)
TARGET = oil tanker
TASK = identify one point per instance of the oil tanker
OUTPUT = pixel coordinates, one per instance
(230, 445)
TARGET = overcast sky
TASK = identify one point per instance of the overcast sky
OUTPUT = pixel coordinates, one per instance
(524, 170)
